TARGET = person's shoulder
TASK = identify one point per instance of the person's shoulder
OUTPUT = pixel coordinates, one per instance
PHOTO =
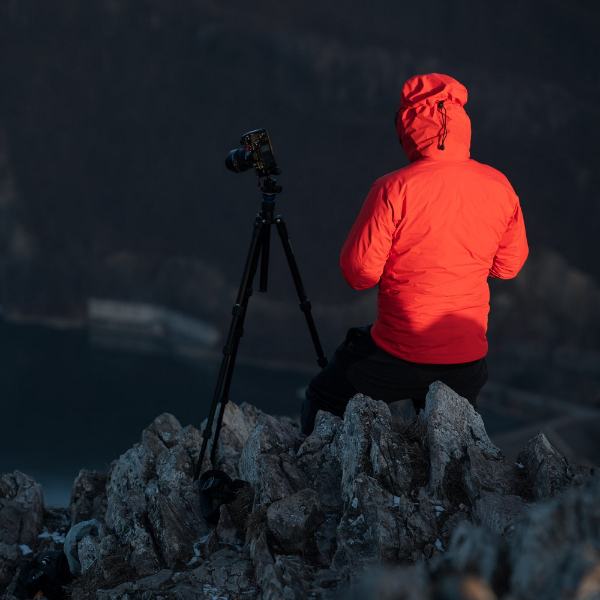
(491, 173)
(393, 179)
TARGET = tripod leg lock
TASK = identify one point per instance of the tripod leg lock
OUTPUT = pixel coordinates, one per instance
(238, 310)
(305, 305)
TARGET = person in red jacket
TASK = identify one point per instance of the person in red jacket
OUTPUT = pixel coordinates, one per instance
(429, 235)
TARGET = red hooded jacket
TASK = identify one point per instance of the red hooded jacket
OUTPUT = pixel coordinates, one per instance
(431, 233)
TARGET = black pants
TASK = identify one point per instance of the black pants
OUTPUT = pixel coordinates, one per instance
(360, 366)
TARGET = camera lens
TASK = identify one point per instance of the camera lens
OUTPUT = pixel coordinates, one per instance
(239, 160)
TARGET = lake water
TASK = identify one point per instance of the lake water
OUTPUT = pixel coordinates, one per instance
(67, 405)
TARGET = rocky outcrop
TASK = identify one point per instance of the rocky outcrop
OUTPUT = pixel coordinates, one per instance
(364, 507)
(21, 509)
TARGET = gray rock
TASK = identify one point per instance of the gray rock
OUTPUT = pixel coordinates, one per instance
(356, 494)
(229, 575)
(319, 458)
(21, 509)
(268, 460)
(155, 581)
(499, 512)
(557, 546)
(296, 579)
(238, 422)
(88, 496)
(325, 539)
(225, 531)
(88, 550)
(371, 530)
(489, 474)
(370, 446)
(268, 575)
(176, 523)
(293, 520)
(152, 503)
(548, 472)
(451, 524)
(475, 550)
(9, 559)
(452, 426)
(129, 519)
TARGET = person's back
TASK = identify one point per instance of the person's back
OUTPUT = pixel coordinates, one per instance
(429, 234)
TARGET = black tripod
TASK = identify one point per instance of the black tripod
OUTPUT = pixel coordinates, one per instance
(259, 246)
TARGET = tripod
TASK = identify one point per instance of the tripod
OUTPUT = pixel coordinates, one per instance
(259, 247)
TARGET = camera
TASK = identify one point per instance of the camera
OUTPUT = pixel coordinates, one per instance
(257, 152)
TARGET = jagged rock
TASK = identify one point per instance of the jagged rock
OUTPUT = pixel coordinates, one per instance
(228, 575)
(238, 422)
(548, 472)
(452, 426)
(88, 496)
(292, 520)
(9, 558)
(557, 546)
(421, 525)
(488, 473)
(451, 524)
(267, 461)
(296, 579)
(370, 446)
(499, 512)
(371, 529)
(153, 504)
(268, 575)
(130, 524)
(21, 509)
(358, 493)
(143, 588)
(88, 551)
(176, 523)
(318, 457)
(475, 550)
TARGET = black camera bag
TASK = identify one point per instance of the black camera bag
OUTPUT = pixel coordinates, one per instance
(48, 572)
(216, 488)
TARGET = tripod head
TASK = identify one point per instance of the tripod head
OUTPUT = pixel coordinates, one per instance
(270, 186)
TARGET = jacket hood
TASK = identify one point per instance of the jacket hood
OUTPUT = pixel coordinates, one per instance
(431, 119)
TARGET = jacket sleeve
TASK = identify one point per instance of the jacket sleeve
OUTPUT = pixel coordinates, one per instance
(513, 249)
(368, 245)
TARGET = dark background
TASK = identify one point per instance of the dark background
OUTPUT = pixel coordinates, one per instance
(116, 116)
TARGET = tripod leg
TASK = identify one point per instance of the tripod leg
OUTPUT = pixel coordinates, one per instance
(262, 250)
(229, 375)
(305, 305)
(265, 244)
(231, 346)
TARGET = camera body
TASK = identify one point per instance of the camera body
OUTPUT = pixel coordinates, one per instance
(257, 152)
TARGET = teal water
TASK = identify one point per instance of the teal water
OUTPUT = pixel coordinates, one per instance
(67, 405)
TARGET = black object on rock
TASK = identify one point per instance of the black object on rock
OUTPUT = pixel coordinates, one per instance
(217, 488)
(48, 572)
